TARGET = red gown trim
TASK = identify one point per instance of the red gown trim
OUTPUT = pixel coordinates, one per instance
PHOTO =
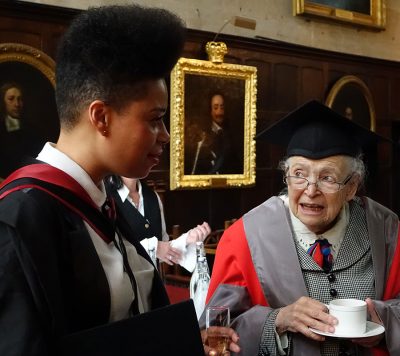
(53, 175)
(236, 269)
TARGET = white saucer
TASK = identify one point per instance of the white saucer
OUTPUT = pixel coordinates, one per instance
(372, 330)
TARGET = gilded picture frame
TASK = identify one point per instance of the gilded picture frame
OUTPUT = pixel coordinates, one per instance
(370, 13)
(195, 87)
(351, 97)
(29, 73)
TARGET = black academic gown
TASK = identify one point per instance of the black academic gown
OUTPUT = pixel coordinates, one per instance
(51, 280)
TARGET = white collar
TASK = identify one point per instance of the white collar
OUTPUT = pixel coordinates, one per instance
(215, 127)
(123, 192)
(334, 235)
(12, 123)
(124, 195)
(51, 155)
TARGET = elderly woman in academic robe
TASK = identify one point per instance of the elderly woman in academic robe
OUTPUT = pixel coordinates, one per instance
(280, 264)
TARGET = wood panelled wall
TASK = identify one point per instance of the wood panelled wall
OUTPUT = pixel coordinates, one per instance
(288, 75)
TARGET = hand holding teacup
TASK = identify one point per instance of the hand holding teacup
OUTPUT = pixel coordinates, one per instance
(351, 315)
(313, 319)
(304, 313)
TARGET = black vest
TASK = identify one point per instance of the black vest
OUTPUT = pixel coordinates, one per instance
(145, 226)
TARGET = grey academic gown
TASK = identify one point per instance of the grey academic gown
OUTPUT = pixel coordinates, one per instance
(259, 268)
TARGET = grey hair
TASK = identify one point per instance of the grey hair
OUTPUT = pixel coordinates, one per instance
(355, 164)
(357, 167)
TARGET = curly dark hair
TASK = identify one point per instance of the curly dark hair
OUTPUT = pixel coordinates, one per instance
(109, 52)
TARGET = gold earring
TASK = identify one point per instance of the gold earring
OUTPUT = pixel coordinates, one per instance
(105, 132)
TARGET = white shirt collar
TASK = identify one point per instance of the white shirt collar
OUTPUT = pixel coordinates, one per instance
(335, 235)
(124, 194)
(215, 127)
(51, 155)
(12, 123)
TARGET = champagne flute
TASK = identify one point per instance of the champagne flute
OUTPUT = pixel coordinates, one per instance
(217, 324)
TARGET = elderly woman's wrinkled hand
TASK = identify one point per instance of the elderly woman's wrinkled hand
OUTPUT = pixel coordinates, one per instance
(233, 341)
(303, 314)
(198, 233)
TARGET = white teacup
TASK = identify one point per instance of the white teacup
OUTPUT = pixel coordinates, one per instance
(351, 315)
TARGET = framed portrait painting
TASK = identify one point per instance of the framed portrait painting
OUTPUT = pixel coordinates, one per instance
(213, 123)
(370, 13)
(351, 98)
(28, 114)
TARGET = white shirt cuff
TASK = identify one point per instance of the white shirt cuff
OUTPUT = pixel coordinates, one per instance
(150, 244)
(282, 342)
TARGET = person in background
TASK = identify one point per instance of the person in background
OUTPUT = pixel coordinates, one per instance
(143, 209)
(214, 152)
(68, 261)
(11, 107)
(282, 262)
(19, 141)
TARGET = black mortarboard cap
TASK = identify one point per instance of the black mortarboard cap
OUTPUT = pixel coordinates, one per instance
(315, 131)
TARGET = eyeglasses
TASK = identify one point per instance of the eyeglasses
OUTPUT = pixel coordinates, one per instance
(325, 184)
